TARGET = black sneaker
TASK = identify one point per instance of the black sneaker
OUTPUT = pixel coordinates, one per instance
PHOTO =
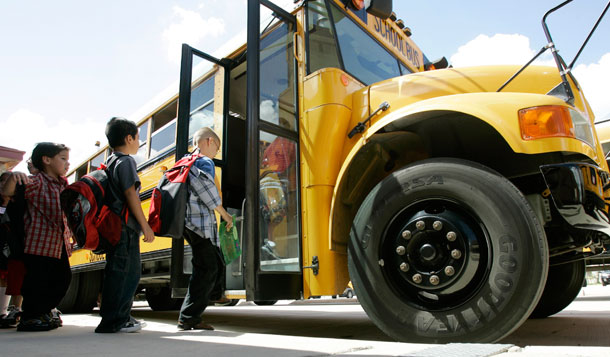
(11, 319)
(38, 324)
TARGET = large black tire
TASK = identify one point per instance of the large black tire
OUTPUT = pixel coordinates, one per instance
(265, 302)
(89, 288)
(160, 299)
(488, 235)
(562, 286)
(66, 305)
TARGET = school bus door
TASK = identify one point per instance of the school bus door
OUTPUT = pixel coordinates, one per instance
(272, 217)
(202, 102)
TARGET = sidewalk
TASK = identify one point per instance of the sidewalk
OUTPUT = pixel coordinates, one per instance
(158, 338)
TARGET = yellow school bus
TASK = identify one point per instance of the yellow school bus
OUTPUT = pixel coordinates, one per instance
(453, 199)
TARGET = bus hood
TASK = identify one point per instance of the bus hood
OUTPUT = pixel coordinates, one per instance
(415, 87)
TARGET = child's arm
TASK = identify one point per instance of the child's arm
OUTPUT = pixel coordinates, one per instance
(226, 216)
(135, 208)
(15, 178)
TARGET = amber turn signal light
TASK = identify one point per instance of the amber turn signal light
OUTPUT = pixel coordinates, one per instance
(545, 122)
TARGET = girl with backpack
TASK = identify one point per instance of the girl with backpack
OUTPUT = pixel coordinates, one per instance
(47, 244)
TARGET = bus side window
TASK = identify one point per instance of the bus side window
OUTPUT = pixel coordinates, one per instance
(96, 162)
(163, 129)
(81, 171)
(142, 154)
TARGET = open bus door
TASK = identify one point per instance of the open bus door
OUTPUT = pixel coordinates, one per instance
(273, 253)
(270, 268)
(195, 110)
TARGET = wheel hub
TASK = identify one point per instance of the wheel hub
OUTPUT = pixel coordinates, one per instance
(428, 252)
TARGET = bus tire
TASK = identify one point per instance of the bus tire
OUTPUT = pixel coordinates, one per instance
(265, 302)
(562, 286)
(66, 305)
(160, 299)
(488, 235)
(89, 288)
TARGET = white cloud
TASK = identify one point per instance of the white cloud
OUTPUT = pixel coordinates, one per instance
(515, 49)
(595, 80)
(24, 128)
(498, 49)
(190, 28)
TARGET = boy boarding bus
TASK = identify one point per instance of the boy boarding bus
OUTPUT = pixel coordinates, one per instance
(451, 198)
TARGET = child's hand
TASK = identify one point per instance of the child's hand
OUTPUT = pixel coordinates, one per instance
(229, 221)
(20, 178)
(149, 235)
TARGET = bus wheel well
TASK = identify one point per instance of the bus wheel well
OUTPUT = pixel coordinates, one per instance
(429, 135)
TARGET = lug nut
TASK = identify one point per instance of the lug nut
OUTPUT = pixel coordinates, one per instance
(420, 225)
(406, 235)
(400, 250)
(417, 278)
(434, 280)
(456, 254)
(451, 236)
(437, 225)
(381, 262)
(404, 267)
(449, 270)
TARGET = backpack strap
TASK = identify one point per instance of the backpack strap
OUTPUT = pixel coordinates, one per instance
(114, 190)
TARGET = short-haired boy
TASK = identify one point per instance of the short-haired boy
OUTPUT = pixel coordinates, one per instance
(123, 267)
(47, 244)
(200, 231)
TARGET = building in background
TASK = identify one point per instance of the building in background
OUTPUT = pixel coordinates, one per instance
(9, 158)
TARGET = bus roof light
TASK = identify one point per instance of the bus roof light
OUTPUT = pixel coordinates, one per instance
(400, 24)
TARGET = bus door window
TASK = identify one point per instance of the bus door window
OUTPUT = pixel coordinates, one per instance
(278, 198)
(142, 154)
(277, 79)
(362, 56)
(203, 108)
(278, 203)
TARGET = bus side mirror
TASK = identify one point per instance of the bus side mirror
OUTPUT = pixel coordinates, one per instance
(379, 8)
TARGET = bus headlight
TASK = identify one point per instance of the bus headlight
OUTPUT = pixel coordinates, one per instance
(554, 121)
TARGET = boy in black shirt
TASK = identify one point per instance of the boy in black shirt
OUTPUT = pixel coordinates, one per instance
(123, 267)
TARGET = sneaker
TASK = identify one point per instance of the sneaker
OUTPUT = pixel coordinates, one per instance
(43, 323)
(141, 322)
(12, 318)
(131, 326)
(198, 326)
(55, 318)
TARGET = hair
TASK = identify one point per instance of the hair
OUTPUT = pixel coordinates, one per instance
(3, 176)
(204, 133)
(46, 149)
(117, 130)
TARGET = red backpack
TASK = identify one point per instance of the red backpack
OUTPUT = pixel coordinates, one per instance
(168, 203)
(90, 205)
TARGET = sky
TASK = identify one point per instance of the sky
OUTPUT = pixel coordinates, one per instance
(67, 66)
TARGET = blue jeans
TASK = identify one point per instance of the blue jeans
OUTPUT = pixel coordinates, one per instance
(205, 279)
(121, 279)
